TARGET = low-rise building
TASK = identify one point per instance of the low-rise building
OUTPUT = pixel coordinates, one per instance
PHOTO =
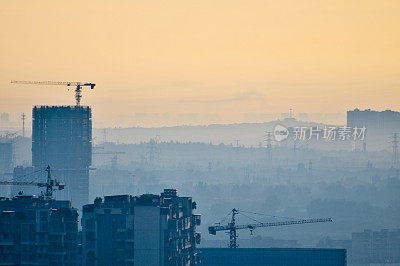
(273, 256)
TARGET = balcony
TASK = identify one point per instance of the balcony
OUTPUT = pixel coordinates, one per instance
(197, 219)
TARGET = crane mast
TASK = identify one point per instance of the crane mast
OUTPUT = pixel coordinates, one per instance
(232, 231)
(232, 227)
(78, 88)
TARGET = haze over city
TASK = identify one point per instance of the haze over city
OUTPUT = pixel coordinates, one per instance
(218, 60)
(211, 133)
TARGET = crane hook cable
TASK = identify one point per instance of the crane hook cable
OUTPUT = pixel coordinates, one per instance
(226, 216)
(251, 218)
(34, 172)
(274, 216)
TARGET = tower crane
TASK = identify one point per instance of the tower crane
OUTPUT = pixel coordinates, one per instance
(49, 185)
(232, 227)
(78, 88)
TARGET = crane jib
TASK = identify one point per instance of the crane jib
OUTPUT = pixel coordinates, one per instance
(78, 90)
(219, 228)
(232, 227)
(251, 226)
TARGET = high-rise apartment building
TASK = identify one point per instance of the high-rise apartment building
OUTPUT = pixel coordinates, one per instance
(379, 125)
(62, 138)
(38, 231)
(140, 230)
(385, 121)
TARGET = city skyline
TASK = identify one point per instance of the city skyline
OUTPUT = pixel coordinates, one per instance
(224, 58)
(277, 121)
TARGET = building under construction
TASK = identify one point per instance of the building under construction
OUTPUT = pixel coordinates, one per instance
(62, 138)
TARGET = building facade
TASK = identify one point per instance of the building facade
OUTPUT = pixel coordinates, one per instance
(376, 246)
(38, 231)
(140, 230)
(272, 256)
(62, 138)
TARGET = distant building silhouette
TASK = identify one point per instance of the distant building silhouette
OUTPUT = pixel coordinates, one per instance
(6, 160)
(37, 231)
(4, 119)
(376, 246)
(140, 230)
(379, 125)
(388, 120)
(62, 138)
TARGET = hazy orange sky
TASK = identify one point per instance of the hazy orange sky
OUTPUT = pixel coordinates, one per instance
(219, 57)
